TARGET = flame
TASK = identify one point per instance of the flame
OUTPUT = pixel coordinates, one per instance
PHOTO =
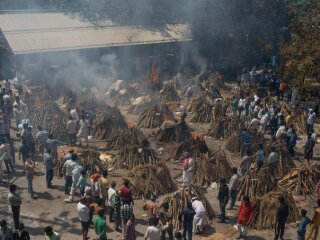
(196, 136)
(154, 76)
(131, 124)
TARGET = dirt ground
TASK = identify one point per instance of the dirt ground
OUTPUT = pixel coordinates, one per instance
(50, 208)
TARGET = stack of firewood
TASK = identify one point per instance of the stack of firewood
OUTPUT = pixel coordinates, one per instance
(108, 122)
(301, 180)
(266, 210)
(126, 136)
(212, 168)
(299, 117)
(173, 132)
(256, 183)
(223, 127)
(178, 202)
(169, 92)
(151, 180)
(191, 145)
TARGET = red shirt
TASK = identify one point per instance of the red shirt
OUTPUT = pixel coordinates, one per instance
(126, 194)
(245, 214)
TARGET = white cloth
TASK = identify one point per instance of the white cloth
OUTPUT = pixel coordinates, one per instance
(111, 196)
(188, 173)
(74, 115)
(200, 217)
(69, 165)
(154, 233)
(280, 132)
(83, 212)
(234, 182)
(84, 128)
(254, 124)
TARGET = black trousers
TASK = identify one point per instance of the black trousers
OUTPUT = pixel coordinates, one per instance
(49, 177)
(280, 226)
(15, 214)
(187, 229)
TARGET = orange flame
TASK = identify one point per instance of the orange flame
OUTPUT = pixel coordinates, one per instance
(131, 124)
(196, 135)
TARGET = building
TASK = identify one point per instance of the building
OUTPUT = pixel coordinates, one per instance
(52, 39)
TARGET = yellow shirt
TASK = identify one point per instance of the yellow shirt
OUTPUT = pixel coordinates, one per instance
(289, 120)
(316, 221)
(103, 186)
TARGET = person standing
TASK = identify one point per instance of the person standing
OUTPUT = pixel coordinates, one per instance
(282, 215)
(82, 182)
(48, 162)
(233, 187)
(72, 131)
(245, 142)
(186, 217)
(84, 130)
(74, 113)
(188, 169)
(315, 223)
(68, 168)
(273, 160)
(15, 203)
(126, 192)
(151, 209)
(76, 174)
(130, 231)
(302, 226)
(260, 156)
(84, 217)
(223, 197)
(154, 232)
(246, 163)
(103, 187)
(6, 151)
(244, 217)
(310, 120)
(200, 217)
(165, 217)
(100, 225)
(41, 139)
(111, 201)
(18, 115)
(308, 148)
(117, 210)
(292, 142)
(53, 145)
(24, 151)
(126, 212)
(30, 173)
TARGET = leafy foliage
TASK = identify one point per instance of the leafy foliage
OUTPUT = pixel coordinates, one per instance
(301, 55)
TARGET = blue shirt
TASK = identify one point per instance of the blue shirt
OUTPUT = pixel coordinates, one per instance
(246, 137)
(302, 227)
(48, 161)
(260, 157)
(42, 137)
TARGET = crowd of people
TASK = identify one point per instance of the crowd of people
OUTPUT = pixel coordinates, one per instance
(100, 197)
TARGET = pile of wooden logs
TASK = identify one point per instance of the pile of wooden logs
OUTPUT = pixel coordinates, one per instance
(178, 202)
(46, 113)
(151, 180)
(203, 113)
(256, 183)
(139, 104)
(87, 100)
(122, 137)
(285, 163)
(154, 116)
(266, 210)
(233, 143)
(90, 160)
(196, 103)
(129, 157)
(191, 145)
(218, 110)
(223, 127)
(108, 122)
(169, 93)
(301, 180)
(213, 168)
(299, 117)
(173, 132)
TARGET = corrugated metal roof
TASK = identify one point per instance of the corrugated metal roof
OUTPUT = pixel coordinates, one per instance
(48, 32)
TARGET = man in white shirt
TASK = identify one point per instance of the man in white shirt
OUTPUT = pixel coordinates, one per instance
(84, 217)
(233, 187)
(74, 113)
(200, 217)
(72, 131)
(154, 232)
(68, 167)
(111, 200)
(84, 130)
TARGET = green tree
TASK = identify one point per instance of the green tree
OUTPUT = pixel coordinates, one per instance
(301, 54)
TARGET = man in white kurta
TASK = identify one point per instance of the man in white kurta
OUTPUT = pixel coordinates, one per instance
(200, 217)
